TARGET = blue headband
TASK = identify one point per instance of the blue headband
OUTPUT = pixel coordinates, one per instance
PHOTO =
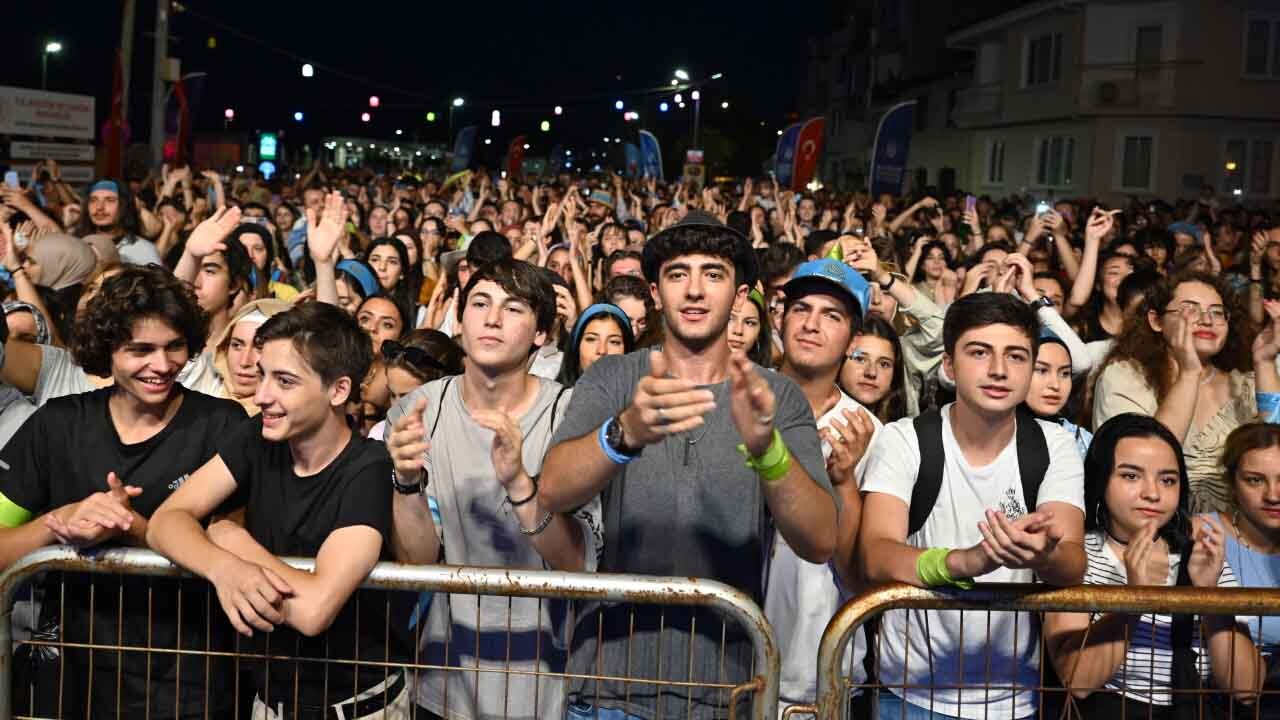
(596, 311)
(360, 274)
(109, 185)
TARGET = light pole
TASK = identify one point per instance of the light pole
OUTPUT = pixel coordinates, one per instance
(53, 47)
(457, 103)
(697, 114)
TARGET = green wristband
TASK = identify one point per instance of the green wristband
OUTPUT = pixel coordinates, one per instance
(774, 463)
(12, 514)
(931, 567)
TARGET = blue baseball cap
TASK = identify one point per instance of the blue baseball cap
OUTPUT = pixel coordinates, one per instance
(1184, 228)
(832, 272)
(602, 197)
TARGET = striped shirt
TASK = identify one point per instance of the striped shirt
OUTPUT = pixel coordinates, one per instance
(1145, 675)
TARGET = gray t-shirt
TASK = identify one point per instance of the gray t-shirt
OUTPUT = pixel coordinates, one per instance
(687, 506)
(478, 527)
(136, 250)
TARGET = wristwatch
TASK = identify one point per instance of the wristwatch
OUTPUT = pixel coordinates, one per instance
(613, 437)
(885, 286)
(1041, 302)
(408, 489)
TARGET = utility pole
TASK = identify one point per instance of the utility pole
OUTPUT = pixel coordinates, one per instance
(126, 57)
(157, 82)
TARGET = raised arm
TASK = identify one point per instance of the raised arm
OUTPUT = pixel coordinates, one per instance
(208, 237)
(1100, 223)
(324, 230)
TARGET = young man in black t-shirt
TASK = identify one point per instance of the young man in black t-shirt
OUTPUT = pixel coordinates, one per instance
(309, 486)
(89, 469)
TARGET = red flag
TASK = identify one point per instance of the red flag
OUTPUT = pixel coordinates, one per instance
(114, 130)
(184, 123)
(515, 157)
(808, 151)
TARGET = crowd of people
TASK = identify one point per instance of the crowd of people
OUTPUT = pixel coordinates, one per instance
(801, 395)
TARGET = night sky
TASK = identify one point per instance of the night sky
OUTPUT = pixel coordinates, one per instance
(520, 58)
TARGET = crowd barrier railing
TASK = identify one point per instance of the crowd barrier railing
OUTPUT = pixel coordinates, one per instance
(675, 602)
(837, 689)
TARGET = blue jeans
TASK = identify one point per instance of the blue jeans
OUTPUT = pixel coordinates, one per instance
(585, 711)
(892, 707)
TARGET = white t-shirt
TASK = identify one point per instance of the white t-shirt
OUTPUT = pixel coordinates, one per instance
(932, 648)
(801, 597)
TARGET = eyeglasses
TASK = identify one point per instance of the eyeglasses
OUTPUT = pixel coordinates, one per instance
(1217, 314)
(417, 357)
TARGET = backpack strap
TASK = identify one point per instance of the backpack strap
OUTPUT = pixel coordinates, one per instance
(444, 390)
(1033, 455)
(924, 493)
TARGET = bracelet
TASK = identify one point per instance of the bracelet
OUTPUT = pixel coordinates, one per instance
(532, 495)
(403, 489)
(15, 271)
(774, 463)
(602, 439)
(931, 568)
(542, 525)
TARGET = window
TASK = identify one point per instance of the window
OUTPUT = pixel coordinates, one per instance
(1247, 166)
(1147, 50)
(995, 162)
(1262, 47)
(1043, 59)
(1135, 165)
(1055, 159)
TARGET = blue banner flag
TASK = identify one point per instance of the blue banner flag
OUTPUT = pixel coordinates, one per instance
(889, 154)
(650, 156)
(633, 160)
(784, 158)
(462, 148)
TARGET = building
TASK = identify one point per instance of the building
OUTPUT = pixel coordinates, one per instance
(1105, 98)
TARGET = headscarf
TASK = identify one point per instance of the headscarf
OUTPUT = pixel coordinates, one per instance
(42, 323)
(64, 260)
(103, 246)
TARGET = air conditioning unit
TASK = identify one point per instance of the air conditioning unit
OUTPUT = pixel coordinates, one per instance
(1111, 93)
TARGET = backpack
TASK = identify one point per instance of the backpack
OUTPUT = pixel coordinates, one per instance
(1033, 462)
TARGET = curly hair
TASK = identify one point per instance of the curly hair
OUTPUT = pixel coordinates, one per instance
(1144, 347)
(136, 293)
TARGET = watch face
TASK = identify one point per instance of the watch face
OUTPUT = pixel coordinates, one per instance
(614, 434)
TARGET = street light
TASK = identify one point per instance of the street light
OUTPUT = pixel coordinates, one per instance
(663, 107)
(297, 117)
(545, 126)
(457, 103)
(618, 105)
(724, 105)
(681, 75)
(307, 70)
(365, 117)
(53, 47)
(559, 110)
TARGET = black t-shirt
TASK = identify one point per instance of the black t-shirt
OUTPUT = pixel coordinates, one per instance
(293, 516)
(61, 455)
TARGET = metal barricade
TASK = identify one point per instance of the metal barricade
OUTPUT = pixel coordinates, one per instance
(835, 688)
(668, 597)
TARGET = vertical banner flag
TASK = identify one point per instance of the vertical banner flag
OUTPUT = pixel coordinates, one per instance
(633, 160)
(650, 155)
(115, 135)
(462, 148)
(808, 152)
(784, 158)
(515, 157)
(889, 154)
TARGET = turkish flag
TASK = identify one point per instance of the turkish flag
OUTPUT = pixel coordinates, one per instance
(515, 157)
(808, 152)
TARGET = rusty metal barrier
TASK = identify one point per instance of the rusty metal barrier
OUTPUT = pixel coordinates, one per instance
(682, 595)
(835, 689)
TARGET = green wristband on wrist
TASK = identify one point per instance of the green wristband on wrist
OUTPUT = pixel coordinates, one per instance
(931, 567)
(773, 463)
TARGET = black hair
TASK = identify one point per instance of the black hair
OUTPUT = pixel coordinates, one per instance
(1138, 283)
(488, 247)
(924, 253)
(1100, 462)
(135, 293)
(519, 280)
(403, 290)
(761, 352)
(981, 255)
(242, 270)
(892, 406)
(571, 366)
(406, 317)
(779, 260)
(266, 212)
(444, 356)
(988, 308)
(814, 241)
(678, 241)
(619, 255)
(330, 342)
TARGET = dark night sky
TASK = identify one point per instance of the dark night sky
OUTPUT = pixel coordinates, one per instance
(521, 58)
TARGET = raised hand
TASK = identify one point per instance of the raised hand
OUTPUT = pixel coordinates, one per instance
(1208, 551)
(848, 441)
(752, 404)
(1022, 276)
(663, 405)
(209, 236)
(1182, 341)
(1144, 561)
(1099, 225)
(508, 463)
(408, 444)
(1267, 344)
(326, 228)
